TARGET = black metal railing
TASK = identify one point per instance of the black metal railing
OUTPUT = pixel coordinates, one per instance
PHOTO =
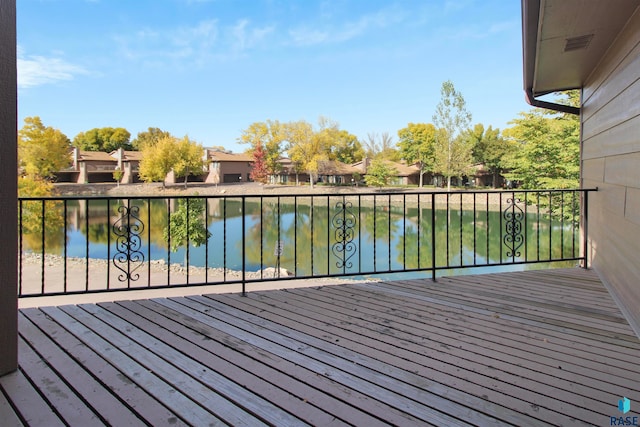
(72, 245)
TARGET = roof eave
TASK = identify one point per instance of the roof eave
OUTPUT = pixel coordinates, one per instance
(530, 30)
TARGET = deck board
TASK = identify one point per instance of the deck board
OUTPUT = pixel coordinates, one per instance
(260, 378)
(544, 347)
(502, 337)
(131, 396)
(476, 368)
(106, 404)
(547, 305)
(414, 333)
(7, 414)
(344, 403)
(133, 371)
(393, 352)
(529, 319)
(357, 369)
(167, 365)
(32, 407)
(318, 361)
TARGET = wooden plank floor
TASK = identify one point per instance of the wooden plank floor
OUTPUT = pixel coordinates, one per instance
(545, 347)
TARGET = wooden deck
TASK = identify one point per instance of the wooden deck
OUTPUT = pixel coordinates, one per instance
(532, 348)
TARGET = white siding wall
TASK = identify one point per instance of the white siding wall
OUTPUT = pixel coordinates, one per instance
(611, 162)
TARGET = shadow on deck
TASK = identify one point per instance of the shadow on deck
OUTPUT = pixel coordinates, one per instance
(529, 348)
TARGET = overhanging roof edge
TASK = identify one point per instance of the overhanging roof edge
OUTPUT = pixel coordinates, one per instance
(530, 29)
(530, 23)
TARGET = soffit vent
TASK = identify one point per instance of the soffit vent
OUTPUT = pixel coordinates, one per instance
(578, 43)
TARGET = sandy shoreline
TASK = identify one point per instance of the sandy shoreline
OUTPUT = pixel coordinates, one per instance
(155, 189)
(483, 199)
(157, 273)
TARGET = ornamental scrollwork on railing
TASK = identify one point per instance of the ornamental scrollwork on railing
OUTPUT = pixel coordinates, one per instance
(128, 257)
(344, 223)
(513, 237)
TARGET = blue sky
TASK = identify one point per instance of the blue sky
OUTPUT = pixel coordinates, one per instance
(210, 68)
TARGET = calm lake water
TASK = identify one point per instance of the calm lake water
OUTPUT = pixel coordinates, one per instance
(384, 237)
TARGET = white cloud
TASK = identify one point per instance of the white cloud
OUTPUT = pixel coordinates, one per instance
(308, 35)
(246, 38)
(198, 40)
(196, 44)
(304, 36)
(36, 70)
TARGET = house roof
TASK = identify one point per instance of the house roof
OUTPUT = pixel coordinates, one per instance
(335, 167)
(96, 156)
(360, 166)
(132, 155)
(564, 40)
(229, 157)
(403, 169)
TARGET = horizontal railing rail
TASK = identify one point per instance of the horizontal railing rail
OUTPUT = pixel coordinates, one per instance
(71, 245)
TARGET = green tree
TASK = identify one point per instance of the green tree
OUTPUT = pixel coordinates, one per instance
(491, 149)
(339, 144)
(105, 139)
(188, 159)
(158, 159)
(42, 150)
(187, 224)
(269, 135)
(452, 153)
(356, 178)
(117, 175)
(417, 144)
(89, 140)
(379, 172)
(345, 147)
(306, 147)
(549, 148)
(149, 137)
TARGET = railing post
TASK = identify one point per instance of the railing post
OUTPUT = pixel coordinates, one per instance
(43, 227)
(244, 243)
(433, 237)
(585, 229)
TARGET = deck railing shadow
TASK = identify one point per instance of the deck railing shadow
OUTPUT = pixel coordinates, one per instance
(71, 245)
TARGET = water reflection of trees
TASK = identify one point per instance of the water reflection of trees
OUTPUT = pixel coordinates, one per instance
(42, 223)
(464, 238)
(186, 225)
